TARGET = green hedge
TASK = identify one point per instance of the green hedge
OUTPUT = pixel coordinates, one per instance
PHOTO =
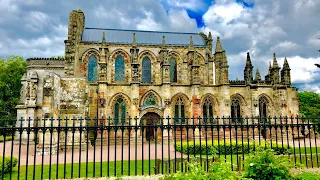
(8, 138)
(8, 166)
(226, 148)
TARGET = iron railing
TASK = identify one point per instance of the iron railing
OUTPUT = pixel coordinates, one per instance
(71, 148)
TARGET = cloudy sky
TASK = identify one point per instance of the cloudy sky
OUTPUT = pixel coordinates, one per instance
(291, 28)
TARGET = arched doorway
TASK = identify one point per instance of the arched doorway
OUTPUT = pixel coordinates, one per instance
(148, 121)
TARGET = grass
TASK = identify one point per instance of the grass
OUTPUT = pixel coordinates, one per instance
(66, 173)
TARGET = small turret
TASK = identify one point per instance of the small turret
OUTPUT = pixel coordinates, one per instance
(258, 76)
(191, 46)
(134, 40)
(275, 70)
(221, 64)
(248, 75)
(285, 73)
(218, 46)
(163, 45)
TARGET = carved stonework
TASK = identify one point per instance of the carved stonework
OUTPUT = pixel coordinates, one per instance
(48, 85)
(135, 101)
(167, 102)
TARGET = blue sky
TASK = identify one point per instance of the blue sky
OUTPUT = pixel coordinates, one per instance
(291, 28)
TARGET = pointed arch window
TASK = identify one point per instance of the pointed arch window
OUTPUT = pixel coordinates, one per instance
(151, 99)
(262, 107)
(119, 69)
(146, 70)
(119, 111)
(235, 110)
(179, 111)
(207, 110)
(173, 70)
(92, 69)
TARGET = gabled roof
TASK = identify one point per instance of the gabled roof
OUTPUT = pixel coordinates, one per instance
(120, 36)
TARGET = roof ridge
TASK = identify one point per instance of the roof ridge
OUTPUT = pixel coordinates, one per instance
(142, 31)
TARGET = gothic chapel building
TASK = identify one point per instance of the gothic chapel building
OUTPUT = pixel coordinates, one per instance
(149, 74)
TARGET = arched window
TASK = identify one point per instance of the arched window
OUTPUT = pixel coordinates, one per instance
(263, 107)
(207, 110)
(119, 69)
(179, 111)
(146, 70)
(119, 111)
(92, 69)
(235, 110)
(173, 70)
(151, 99)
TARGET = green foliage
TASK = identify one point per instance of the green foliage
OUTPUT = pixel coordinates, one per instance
(309, 104)
(307, 176)
(265, 165)
(11, 72)
(8, 164)
(59, 57)
(226, 148)
(218, 171)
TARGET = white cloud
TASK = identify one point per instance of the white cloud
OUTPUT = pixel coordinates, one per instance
(149, 23)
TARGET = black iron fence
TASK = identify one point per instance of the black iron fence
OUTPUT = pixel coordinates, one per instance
(71, 148)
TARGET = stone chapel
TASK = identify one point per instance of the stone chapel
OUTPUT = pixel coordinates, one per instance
(121, 73)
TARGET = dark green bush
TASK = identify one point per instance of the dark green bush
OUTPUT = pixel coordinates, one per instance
(264, 165)
(8, 165)
(226, 148)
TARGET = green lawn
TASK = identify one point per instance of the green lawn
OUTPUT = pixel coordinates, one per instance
(8, 138)
(67, 173)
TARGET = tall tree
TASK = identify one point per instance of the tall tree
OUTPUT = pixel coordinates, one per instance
(309, 104)
(11, 72)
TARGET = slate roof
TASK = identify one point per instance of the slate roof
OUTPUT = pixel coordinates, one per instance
(121, 36)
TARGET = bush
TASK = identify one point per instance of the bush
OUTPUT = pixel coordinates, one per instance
(218, 171)
(265, 165)
(219, 147)
(307, 176)
(8, 165)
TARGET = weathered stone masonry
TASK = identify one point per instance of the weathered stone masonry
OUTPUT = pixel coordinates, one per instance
(128, 73)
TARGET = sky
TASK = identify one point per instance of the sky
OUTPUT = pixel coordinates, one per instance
(290, 28)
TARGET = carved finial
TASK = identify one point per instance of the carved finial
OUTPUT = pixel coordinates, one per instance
(104, 38)
(248, 62)
(275, 63)
(258, 76)
(218, 45)
(191, 47)
(286, 64)
(163, 41)
(210, 36)
(134, 41)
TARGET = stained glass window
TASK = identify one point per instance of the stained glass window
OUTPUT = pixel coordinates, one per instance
(92, 69)
(119, 69)
(150, 100)
(146, 70)
(179, 112)
(119, 111)
(173, 70)
(207, 110)
(235, 110)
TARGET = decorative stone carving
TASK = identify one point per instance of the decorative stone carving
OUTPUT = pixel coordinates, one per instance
(48, 85)
(167, 102)
(135, 101)
(102, 102)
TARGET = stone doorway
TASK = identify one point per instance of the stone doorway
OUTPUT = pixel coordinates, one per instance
(147, 122)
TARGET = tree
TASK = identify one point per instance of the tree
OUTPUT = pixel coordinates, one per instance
(11, 72)
(309, 104)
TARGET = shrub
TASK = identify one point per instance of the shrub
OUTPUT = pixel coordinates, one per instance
(225, 148)
(218, 171)
(265, 165)
(7, 164)
(308, 176)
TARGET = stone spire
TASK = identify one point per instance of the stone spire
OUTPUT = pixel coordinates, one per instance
(248, 75)
(104, 38)
(191, 46)
(285, 73)
(275, 70)
(218, 45)
(267, 77)
(286, 64)
(258, 76)
(134, 40)
(275, 63)
(163, 45)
